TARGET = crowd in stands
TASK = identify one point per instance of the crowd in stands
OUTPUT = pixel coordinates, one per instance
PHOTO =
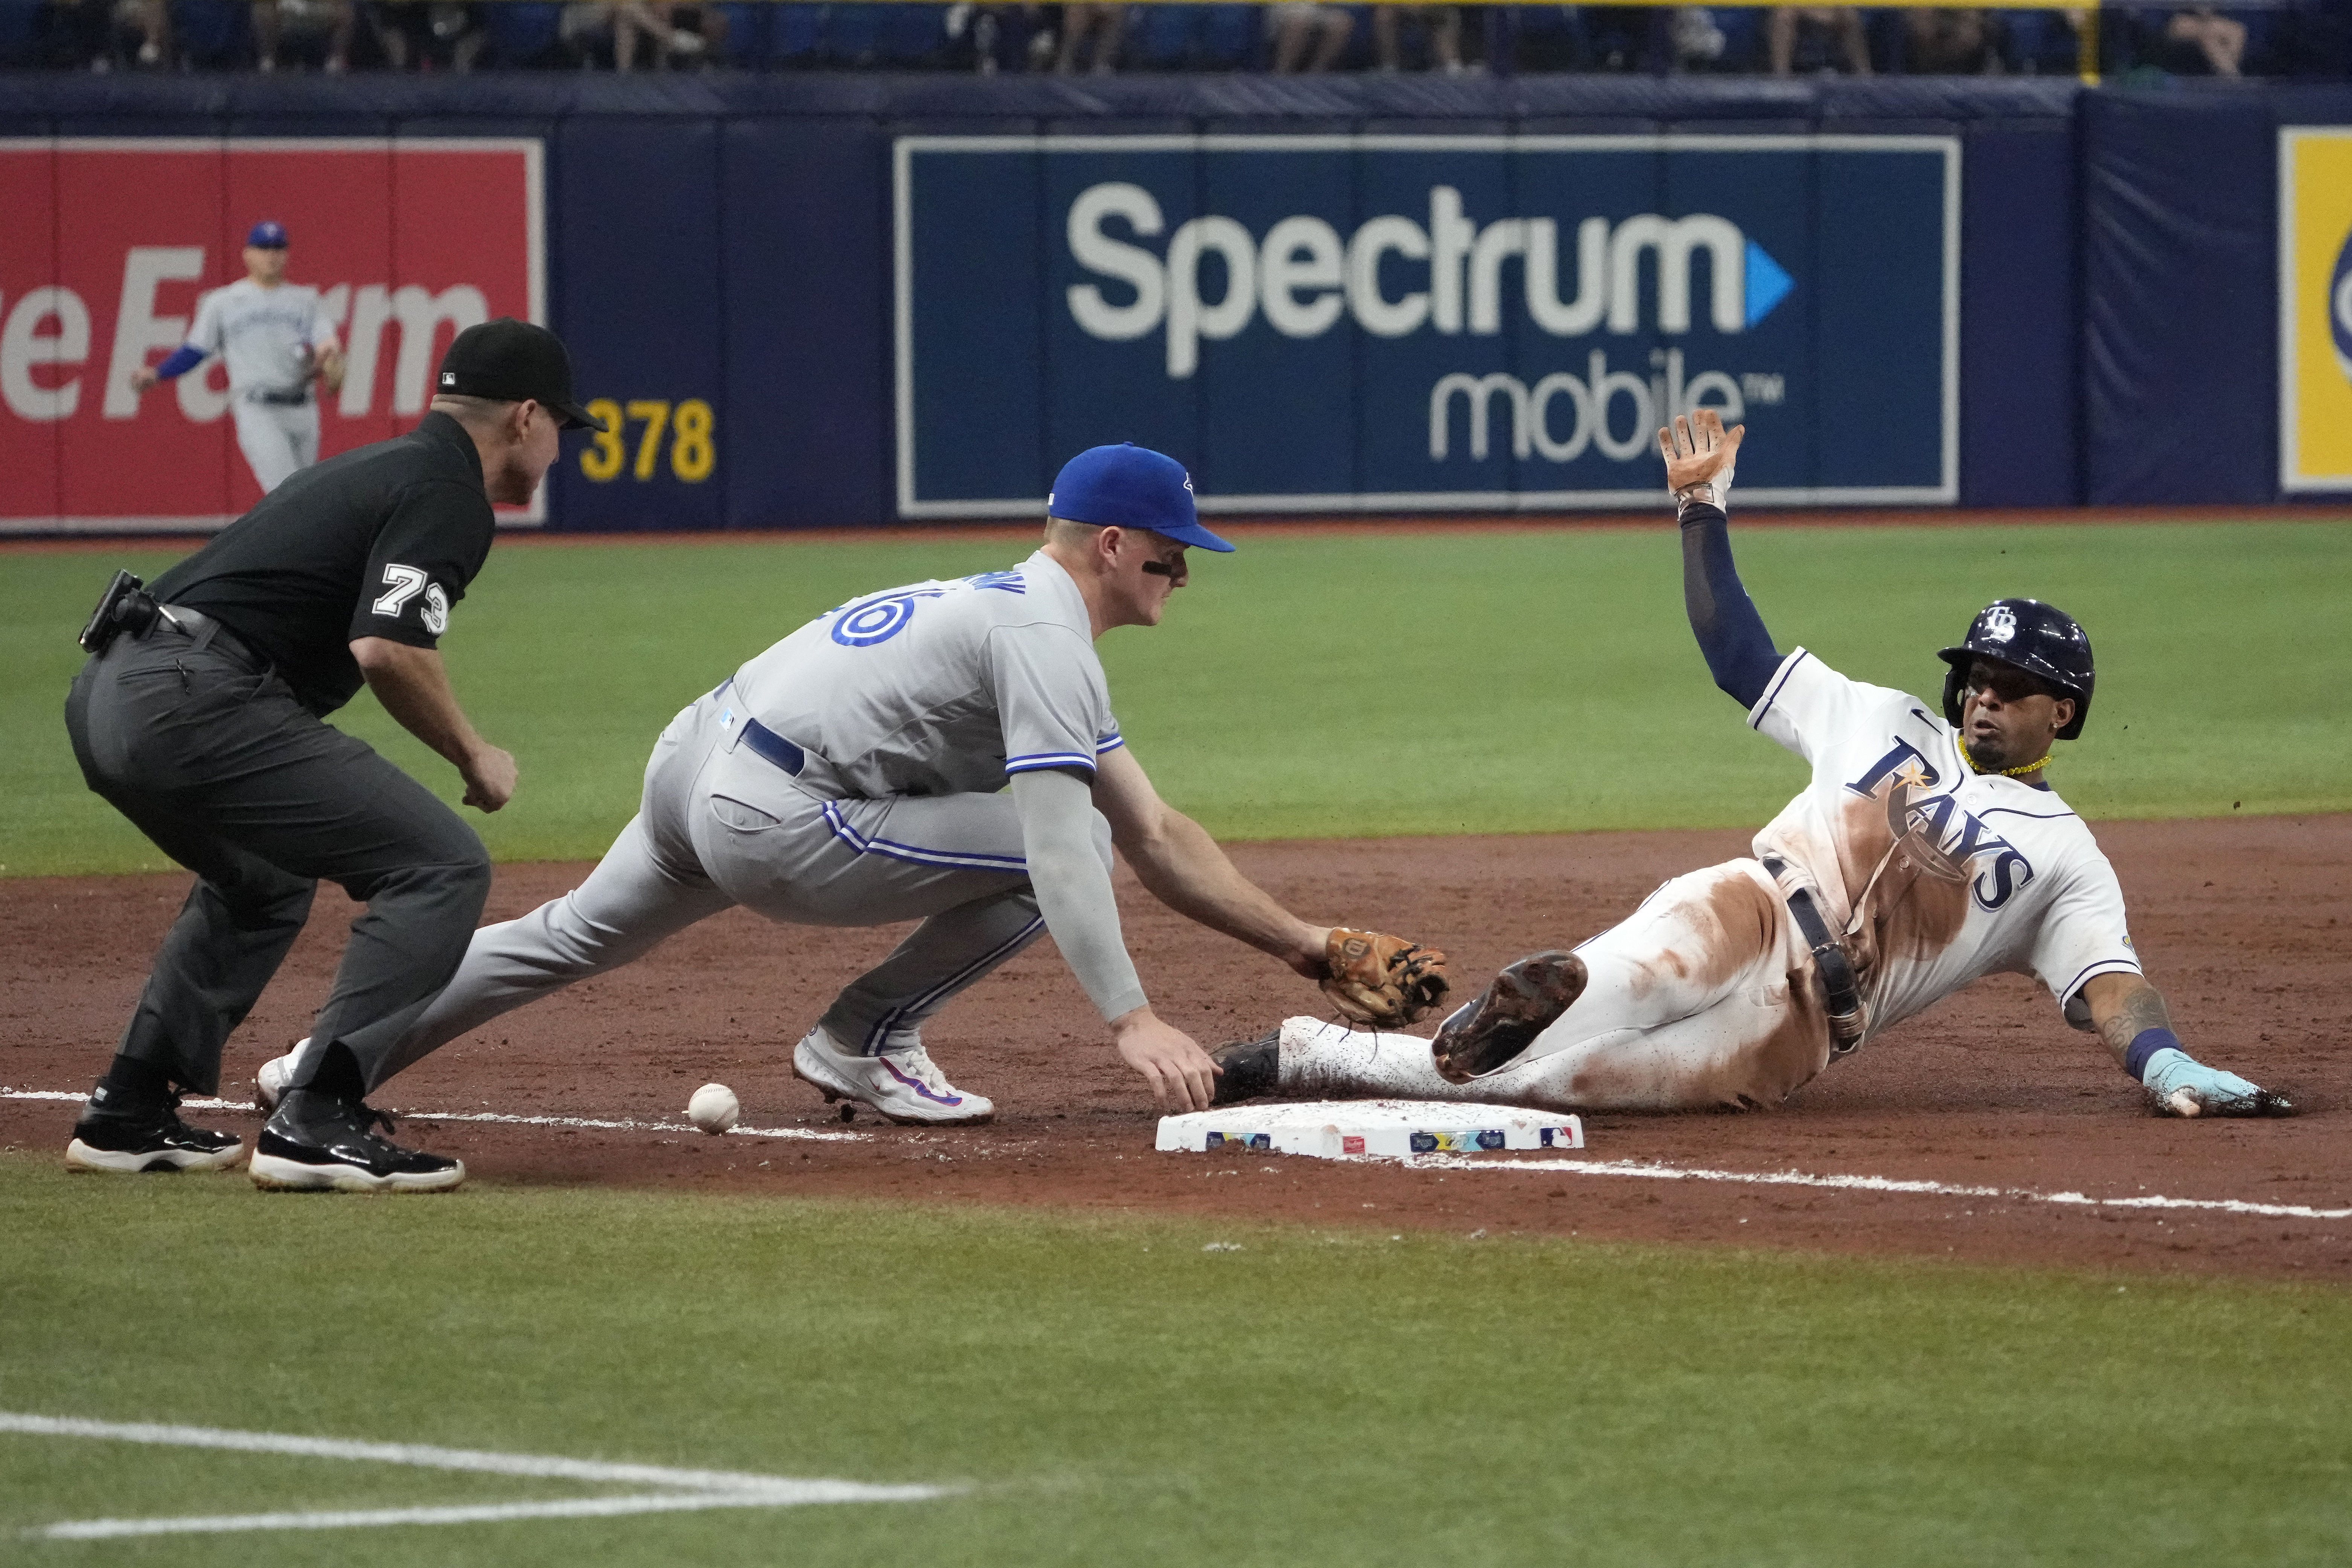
(2308, 38)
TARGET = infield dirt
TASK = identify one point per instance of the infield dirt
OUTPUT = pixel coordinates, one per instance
(2246, 924)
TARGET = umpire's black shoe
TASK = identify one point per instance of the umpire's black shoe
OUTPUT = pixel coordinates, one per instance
(1252, 1067)
(152, 1137)
(315, 1142)
(1522, 1002)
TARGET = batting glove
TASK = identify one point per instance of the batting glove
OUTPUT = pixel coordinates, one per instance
(2180, 1084)
(1700, 454)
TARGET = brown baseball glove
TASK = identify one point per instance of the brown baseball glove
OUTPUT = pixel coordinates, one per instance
(1382, 980)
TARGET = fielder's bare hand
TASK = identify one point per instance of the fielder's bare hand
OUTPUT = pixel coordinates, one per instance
(1699, 451)
(489, 773)
(1181, 1076)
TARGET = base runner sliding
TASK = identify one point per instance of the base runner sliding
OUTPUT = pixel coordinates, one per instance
(1926, 851)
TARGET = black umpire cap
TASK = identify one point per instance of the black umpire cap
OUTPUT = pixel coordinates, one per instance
(509, 360)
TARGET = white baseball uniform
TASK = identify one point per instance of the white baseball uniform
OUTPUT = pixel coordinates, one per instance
(1706, 994)
(853, 774)
(268, 339)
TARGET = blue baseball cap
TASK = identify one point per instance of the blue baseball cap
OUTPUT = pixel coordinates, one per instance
(266, 235)
(1127, 486)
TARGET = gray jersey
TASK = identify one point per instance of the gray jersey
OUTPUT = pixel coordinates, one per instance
(942, 688)
(267, 337)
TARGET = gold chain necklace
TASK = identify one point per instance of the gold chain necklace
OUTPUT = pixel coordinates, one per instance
(2041, 762)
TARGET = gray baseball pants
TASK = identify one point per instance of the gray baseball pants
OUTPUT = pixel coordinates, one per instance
(278, 440)
(208, 752)
(720, 824)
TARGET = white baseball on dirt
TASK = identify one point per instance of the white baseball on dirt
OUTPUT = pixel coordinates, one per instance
(714, 1107)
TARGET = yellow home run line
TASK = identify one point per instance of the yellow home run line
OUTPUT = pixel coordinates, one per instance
(684, 1489)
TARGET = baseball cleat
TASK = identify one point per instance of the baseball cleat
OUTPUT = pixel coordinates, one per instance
(316, 1144)
(276, 1076)
(906, 1087)
(1252, 1067)
(150, 1138)
(1521, 1003)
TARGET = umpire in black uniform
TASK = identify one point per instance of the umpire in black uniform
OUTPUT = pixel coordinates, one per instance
(198, 716)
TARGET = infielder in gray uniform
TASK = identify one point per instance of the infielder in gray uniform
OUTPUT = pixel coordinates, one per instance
(856, 774)
(276, 340)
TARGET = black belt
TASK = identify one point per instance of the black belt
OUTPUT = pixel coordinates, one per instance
(774, 747)
(1841, 988)
(206, 632)
(294, 399)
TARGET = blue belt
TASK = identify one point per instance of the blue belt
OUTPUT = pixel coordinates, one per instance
(774, 747)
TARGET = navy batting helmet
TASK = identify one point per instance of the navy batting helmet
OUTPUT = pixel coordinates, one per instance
(2041, 639)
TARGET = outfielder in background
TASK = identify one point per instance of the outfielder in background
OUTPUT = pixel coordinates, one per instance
(275, 339)
(856, 774)
(1925, 852)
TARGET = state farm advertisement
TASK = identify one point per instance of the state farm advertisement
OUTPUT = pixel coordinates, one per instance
(109, 244)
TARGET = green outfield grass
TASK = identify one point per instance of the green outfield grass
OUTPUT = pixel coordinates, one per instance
(1312, 686)
(1113, 1394)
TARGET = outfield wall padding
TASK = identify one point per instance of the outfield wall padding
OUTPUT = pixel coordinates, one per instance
(727, 240)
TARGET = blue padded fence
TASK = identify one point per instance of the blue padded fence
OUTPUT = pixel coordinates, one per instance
(2090, 313)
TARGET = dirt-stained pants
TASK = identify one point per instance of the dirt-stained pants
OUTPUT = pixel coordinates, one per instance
(1701, 997)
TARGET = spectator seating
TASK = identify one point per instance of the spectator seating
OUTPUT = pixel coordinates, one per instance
(747, 34)
(1161, 37)
(795, 35)
(20, 32)
(1230, 37)
(888, 34)
(2039, 43)
(213, 35)
(522, 32)
(2305, 38)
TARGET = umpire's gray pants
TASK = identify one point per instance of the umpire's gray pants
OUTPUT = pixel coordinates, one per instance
(209, 753)
(722, 825)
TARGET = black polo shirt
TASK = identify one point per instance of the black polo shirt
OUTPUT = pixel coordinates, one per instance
(376, 542)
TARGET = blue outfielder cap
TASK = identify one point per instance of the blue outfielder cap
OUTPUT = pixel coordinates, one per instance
(1127, 486)
(266, 235)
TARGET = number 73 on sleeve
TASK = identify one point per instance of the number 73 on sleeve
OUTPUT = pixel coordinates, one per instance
(692, 450)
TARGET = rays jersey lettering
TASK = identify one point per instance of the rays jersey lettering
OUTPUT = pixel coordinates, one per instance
(1962, 835)
(2039, 897)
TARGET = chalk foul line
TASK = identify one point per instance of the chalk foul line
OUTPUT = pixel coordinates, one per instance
(678, 1489)
(1862, 1184)
(501, 1118)
(1634, 1168)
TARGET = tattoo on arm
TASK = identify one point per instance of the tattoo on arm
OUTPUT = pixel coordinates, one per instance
(2142, 1008)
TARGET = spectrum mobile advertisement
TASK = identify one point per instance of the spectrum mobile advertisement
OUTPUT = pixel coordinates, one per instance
(108, 244)
(1426, 321)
